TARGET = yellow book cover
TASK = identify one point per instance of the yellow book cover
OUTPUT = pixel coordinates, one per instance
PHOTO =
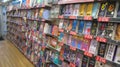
(82, 9)
(89, 9)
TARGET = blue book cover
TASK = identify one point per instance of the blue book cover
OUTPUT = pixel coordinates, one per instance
(81, 27)
(73, 42)
(95, 9)
(79, 44)
(46, 14)
(87, 28)
(74, 25)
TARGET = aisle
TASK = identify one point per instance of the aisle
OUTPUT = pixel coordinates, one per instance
(11, 57)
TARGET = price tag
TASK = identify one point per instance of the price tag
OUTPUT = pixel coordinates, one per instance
(100, 59)
(100, 39)
(87, 17)
(72, 65)
(61, 30)
(88, 54)
(99, 18)
(72, 48)
(73, 33)
(61, 43)
(104, 19)
(88, 36)
(61, 58)
(61, 16)
(72, 17)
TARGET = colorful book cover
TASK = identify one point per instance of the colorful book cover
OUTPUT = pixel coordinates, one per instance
(70, 10)
(61, 36)
(82, 9)
(69, 28)
(103, 9)
(55, 30)
(76, 10)
(79, 42)
(46, 14)
(81, 27)
(117, 57)
(61, 24)
(111, 9)
(117, 34)
(74, 25)
(118, 11)
(85, 61)
(110, 52)
(87, 28)
(46, 28)
(89, 9)
(102, 49)
(85, 45)
(79, 57)
(41, 13)
(74, 42)
(109, 30)
(93, 47)
(91, 62)
(28, 3)
(95, 10)
(94, 28)
(101, 29)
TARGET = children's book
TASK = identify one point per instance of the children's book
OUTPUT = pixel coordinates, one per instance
(79, 57)
(95, 10)
(89, 9)
(103, 9)
(85, 61)
(111, 9)
(101, 29)
(55, 30)
(74, 25)
(85, 45)
(102, 49)
(87, 28)
(76, 10)
(117, 56)
(94, 28)
(91, 62)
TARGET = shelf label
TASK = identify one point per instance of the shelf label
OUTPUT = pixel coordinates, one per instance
(100, 59)
(88, 36)
(88, 54)
(72, 48)
(100, 39)
(87, 17)
(104, 19)
(72, 65)
(73, 33)
(61, 16)
(61, 30)
(72, 17)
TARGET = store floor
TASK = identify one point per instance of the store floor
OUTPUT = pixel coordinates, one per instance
(10, 56)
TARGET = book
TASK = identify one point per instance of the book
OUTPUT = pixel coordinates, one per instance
(76, 10)
(81, 27)
(46, 28)
(103, 9)
(93, 47)
(46, 14)
(74, 25)
(89, 9)
(85, 45)
(111, 9)
(69, 28)
(82, 9)
(85, 61)
(102, 49)
(94, 28)
(91, 62)
(118, 11)
(117, 56)
(79, 42)
(78, 61)
(95, 10)
(117, 34)
(55, 30)
(74, 42)
(41, 13)
(87, 28)
(110, 52)
(101, 29)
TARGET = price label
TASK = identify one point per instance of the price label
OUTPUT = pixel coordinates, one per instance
(88, 54)
(72, 65)
(87, 17)
(72, 48)
(61, 16)
(88, 36)
(104, 19)
(73, 33)
(100, 39)
(72, 17)
(61, 30)
(100, 59)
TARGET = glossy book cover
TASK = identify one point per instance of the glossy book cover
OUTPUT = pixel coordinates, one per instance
(81, 27)
(87, 28)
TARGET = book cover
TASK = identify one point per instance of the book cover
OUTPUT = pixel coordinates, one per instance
(81, 27)
(79, 42)
(111, 9)
(117, 56)
(61, 24)
(85, 61)
(55, 30)
(92, 62)
(101, 29)
(110, 52)
(117, 34)
(74, 42)
(74, 25)
(118, 11)
(94, 28)
(87, 28)
(76, 10)
(93, 47)
(41, 13)
(95, 10)
(89, 9)
(103, 9)
(46, 14)
(46, 28)
(79, 57)
(102, 49)
(82, 9)
(69, 28)
(85, 45)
